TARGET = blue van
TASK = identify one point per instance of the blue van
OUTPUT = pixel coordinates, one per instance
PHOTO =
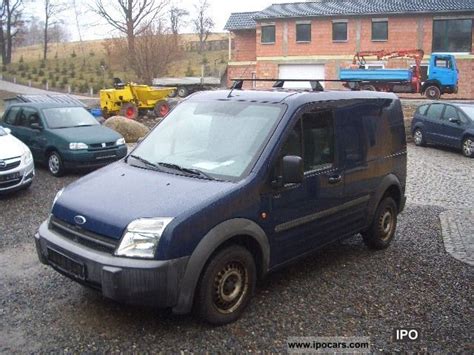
(229, 186)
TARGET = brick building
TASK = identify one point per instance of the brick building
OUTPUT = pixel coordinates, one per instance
(316, 38)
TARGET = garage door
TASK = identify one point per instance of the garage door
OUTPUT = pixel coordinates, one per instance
(301, 71)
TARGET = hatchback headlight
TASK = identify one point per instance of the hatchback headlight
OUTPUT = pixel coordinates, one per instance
(26, 158)
(141, 237)
(77, 146)
(58, 194)
(120, 141)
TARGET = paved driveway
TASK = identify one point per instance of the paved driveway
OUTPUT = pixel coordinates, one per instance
(343, 290)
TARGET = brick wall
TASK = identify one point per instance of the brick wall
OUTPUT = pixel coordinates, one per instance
(244, 46)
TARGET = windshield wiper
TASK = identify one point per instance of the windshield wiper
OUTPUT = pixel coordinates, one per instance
(144, 161)
(190, 171)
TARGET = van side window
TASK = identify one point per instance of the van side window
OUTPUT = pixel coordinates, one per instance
(318, 140)
(353, 140)
(11, 116)
(435, 110)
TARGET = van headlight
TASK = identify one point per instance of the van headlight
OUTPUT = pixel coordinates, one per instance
(77, 146)
(26, 158)
(141, 237)
(120, 141)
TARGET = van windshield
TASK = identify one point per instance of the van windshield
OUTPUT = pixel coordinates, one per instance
(221, 139)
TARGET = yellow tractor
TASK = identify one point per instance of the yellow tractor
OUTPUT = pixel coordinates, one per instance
(130, 100)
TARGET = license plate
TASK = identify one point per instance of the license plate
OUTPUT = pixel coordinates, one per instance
(9, 177)
(66, 264)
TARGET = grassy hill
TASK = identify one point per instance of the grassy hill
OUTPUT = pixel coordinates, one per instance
(86, 65)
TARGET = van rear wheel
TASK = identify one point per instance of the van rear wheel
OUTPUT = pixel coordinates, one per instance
(226, 286)
(382, 230)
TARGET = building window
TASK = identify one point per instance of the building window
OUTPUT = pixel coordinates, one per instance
(268, 34)
(303, 32)
(379, 30)
(452, 35)
(339, 31)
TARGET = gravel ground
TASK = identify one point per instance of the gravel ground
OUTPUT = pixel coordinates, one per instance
(343, 290)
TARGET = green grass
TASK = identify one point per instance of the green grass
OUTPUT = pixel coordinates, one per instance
(81, 67)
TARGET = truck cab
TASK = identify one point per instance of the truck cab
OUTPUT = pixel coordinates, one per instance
(442, 76)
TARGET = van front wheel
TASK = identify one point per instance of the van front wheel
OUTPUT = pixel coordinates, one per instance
(381, 232)
(226, 286)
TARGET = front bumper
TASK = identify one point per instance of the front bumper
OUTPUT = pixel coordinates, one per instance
(26, 172)
(85, 159)
(144, 282)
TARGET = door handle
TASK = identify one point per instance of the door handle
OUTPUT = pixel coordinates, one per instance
(335, 179)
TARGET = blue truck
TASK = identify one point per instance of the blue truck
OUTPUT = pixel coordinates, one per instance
(441, 76)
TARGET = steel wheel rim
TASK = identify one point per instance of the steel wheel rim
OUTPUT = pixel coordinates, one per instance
(467, 147)
(53, 164)
(164, 109)
(387, 223)
(418, 136)
(230, 287)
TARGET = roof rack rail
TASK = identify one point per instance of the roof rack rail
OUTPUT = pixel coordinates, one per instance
(279, 83)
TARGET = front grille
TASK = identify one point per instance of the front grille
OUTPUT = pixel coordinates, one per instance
(4, 185)
(81, 236)
(100, 146)
(10, 166)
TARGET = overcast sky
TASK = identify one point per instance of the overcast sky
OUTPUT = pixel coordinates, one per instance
(94, 27)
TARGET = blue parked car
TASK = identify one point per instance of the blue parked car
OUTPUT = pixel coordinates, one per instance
(449, 124)
(230, 186)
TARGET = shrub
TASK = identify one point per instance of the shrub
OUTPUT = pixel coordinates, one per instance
(65, 81)
(91, 53)
(50, 75)
(44, 81)
(64, 71)
(53, 83)
(72, 66)
(21, 67)
(189, 70)
(73, 54)
(21, 59)
(43, 64)
(73, 74)
(34, 70)
(41, 72)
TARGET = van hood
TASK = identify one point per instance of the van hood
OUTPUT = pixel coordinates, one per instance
(114, 196)
(89, 134)
(11, 147)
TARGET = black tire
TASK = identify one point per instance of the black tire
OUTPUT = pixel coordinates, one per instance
(468, 147)
(161, 109)
(183, 91)
(383, 227)
(433, 92)
(226, 286)
(419, 137)
(55, 164)
(129, 111)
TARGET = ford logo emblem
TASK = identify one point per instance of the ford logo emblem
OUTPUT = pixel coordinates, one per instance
(2, 164)
(80, 220)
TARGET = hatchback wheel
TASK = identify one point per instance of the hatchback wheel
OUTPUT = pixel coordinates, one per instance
(383, 227)
(418, 137)
(226, 286)
(55, 164)
(468, 147)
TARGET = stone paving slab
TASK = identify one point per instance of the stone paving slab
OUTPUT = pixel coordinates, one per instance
(458, 234)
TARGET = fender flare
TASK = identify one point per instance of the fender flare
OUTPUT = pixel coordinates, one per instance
(430, 83)
(207, 246)
(385, 184)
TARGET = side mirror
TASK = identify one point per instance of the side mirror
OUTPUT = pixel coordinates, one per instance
(454, 120)
(292, 170)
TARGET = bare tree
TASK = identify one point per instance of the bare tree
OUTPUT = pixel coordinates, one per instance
(203, 24)
(10, 23)
(130, 17)
(51, 10)
(176, 18)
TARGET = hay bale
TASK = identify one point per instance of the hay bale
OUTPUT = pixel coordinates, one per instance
(131, 130)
